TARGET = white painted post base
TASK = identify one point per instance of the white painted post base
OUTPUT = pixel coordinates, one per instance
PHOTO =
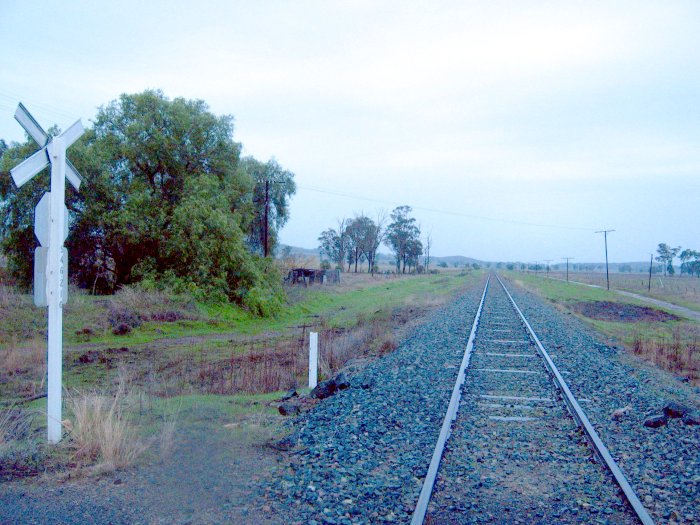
(54, 276)
(313, 359)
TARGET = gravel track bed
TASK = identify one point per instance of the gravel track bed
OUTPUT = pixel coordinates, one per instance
(361, 455)
(662, 464)
(515, 454)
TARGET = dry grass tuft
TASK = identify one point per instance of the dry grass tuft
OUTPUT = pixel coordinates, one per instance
(675, 353)
(101, 433)
(166, 440)
(23, 367)
(15, 359)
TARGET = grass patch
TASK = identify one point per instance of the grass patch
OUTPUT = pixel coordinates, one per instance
(187, 364)
(681, 290)
(656, 335)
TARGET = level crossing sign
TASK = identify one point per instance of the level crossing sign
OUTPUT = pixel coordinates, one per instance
(51, 258)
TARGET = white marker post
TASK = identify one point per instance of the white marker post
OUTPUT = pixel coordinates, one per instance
(54, 285)
(313, 359)
(51, 281)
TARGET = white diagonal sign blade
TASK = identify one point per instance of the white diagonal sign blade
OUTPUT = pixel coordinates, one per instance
(31, 126)
(73, 133)
(72, 175)
(29, 167)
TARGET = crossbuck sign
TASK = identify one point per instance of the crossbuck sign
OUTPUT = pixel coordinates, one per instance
(51, 258)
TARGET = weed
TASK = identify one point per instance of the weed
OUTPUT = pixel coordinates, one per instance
(100, 431)
(23, 368)
(166, 440)
(20, 454)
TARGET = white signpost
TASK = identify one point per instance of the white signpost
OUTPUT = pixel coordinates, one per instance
(313, 359)
(51, 258)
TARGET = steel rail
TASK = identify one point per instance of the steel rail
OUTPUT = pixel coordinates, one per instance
(450, 416)
(580, 416)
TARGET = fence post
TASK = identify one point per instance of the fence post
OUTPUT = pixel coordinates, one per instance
(313, 359)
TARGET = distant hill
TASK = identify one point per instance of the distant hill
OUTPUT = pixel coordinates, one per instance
(295, 250)
(460, 261)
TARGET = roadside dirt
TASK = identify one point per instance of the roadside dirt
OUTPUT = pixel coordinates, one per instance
(210, 476)
(621, 312)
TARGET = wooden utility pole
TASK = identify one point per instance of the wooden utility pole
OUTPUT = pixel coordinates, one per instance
(567, 259)
(607, 273)
(267, 214)
(548, 261)
(651, 263)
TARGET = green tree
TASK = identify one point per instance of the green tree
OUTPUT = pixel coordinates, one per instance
(402, 233)
(414, 249)
(364, 237)
(333, 244)
(690, 262)
(666, 256)
(164, 199)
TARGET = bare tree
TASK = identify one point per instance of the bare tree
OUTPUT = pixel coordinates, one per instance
(426, 250)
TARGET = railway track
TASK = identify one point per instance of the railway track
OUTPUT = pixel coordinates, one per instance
(515, 445)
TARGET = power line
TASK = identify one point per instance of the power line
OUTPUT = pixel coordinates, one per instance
(442, 212)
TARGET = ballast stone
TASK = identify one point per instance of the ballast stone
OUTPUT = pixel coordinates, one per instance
(691, 418)
(656, 421)
(289, 409)
(675, 409)
(327, 388)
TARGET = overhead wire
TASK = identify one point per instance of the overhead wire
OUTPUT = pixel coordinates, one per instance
(445, 211)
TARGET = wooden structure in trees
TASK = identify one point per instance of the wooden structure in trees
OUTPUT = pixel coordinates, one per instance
(307, 276)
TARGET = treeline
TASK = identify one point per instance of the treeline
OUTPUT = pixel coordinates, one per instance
(167, 200)
(355, 242)
(690, 259)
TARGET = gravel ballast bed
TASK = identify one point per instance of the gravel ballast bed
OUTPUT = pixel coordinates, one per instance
(515, 454)
(361, 455)
(662, 464)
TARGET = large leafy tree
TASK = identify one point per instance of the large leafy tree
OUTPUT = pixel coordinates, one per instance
(361, 233)
(165, 197)
(403, 237)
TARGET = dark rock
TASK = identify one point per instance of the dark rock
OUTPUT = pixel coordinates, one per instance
(656, 421)
(324, 389)
(290, 394)
(284, 444)
(289, 409)
(121, 329)
(675, 409)
(341, 381)
(691, 418)
(89, 357)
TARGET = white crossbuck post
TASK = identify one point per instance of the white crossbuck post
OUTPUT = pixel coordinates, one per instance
(51, 280)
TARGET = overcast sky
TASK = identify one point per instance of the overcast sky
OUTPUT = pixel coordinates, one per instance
(515, 129)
